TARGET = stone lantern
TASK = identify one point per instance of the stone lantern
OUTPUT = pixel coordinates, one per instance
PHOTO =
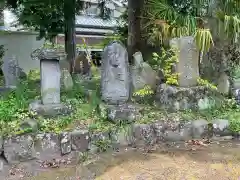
(50, 103)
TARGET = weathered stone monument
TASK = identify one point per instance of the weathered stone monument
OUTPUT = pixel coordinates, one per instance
(10, 72)
(50, 83)
(142, 73)
(67, 79)
(115, 84)
(187, 65)
(82, 64)
(223, 83)
(115, 81)
(188, 94)
(50, 79)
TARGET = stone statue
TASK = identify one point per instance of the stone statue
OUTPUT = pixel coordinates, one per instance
(115, 81)
(67, 79)
(142, 73)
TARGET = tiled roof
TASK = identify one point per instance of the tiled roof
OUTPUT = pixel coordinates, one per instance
(81, 22)
(120, 3)
(94, 30)
(90, 21)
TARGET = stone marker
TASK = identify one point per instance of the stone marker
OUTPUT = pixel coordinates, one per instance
(82, 64)
(188, 56)
(50, 83)
(142, 73)
(223, 83)
(115, 81)
(10, 71)
(67, 79)
(50, 80)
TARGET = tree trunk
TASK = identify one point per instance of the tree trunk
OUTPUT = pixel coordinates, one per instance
(134, 27)
(1, 14)
(134, 33)
(70, 35)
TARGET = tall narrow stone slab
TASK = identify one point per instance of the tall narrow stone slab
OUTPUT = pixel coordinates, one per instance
(115, 81)
(11, 71)
(50, 81)
(187, 65)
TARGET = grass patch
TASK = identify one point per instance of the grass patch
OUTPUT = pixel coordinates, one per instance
(14, 107)
(86, 115)
(229, 110)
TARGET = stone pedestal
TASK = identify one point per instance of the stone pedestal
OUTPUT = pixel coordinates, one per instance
(183, 98)
(124, 112)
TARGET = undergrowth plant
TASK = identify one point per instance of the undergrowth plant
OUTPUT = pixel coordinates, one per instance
(165, 61)
(203, 82)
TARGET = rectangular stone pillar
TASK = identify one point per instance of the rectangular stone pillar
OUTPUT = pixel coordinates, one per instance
(188, 55)
(50, 81)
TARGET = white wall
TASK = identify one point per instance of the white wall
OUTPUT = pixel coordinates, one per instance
(21, 45)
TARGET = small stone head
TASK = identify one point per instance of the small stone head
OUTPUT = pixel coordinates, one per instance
(115, 53)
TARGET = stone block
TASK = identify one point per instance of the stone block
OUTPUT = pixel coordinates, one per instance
(182, 98)
(4, 168)
(182, 133)
(19, 148)
(47, 146)
(221, 127)
(122, 137)
(143, 134)
(80, 140)
(65, 143)
(99, 141)
(200, 128)
(125, 112)
(159, 129)
(49, 110)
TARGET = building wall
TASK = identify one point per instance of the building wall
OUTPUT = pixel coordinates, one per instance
(90, 41)
(21, 45)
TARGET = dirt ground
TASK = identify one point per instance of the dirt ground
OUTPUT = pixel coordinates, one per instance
(220, 161)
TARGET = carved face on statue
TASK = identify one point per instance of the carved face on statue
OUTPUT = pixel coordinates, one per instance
(114, 54)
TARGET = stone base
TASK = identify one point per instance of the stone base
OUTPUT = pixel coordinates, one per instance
(181, 98)
(124, 112)
(49, 146)
(4, 90)
(49, 110)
